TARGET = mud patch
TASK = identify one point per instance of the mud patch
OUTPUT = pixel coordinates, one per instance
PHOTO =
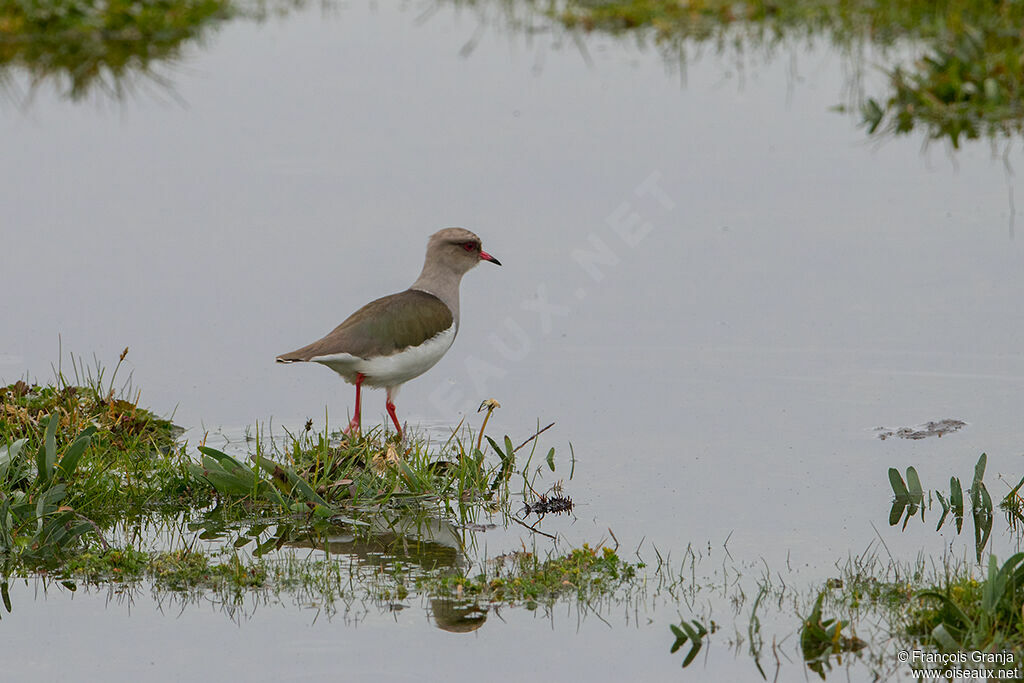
(922, 431)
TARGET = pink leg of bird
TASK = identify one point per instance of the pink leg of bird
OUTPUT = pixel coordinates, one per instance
(394, 418)
(354, 424)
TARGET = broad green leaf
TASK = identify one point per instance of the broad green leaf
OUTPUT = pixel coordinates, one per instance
(979, 469)
(297, 482)
(692, 654)
(896, 511)
(244, 474)
(73, 454)
(8, 454)
(945, 509)
(986, 499)
(44, 463)
(495, 446)
(681, 638)
(914, 486)
(898, 487)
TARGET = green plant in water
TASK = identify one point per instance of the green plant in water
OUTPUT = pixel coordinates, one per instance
(822, 639)
(35, 528)
(977, 616)
(909, 496)
(524, 578)
(692, 633)
(327, 479)
(969, 82)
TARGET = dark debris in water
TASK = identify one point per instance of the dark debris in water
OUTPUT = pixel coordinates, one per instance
(939, 428)
(555, 504)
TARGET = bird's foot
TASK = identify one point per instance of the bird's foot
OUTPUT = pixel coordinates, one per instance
(352, 429)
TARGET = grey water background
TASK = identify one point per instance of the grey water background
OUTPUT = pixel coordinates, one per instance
(790, 287)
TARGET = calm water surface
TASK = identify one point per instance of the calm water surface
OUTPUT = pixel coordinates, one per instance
(785, 287)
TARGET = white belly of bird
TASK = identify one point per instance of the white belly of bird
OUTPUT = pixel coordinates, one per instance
(393, 370)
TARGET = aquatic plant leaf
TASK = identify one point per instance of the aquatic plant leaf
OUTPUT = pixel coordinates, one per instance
(47, 454)
(216, 476)
(298, 483)
(979, 470)
(495, 446)
(999, 578)
(962, 621)
(956, 495)
(684, 633)
(51, 496)
(982, 514)
(956, 501)
(896, 511)
(231, 466)
(8, 455)
(69, 463)
(698, 643)
(551, 459)
(265, 547)
(914, 486)
(945, 509)
(1014, 569)
(899, 489)
(6, 595)
(986, 499)
(681, 638)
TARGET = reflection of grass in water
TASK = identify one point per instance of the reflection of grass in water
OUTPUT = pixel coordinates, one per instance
(91, 43)
(970, 83)
(519, 579)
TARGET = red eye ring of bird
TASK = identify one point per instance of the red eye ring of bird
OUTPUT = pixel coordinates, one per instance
(469, 246)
